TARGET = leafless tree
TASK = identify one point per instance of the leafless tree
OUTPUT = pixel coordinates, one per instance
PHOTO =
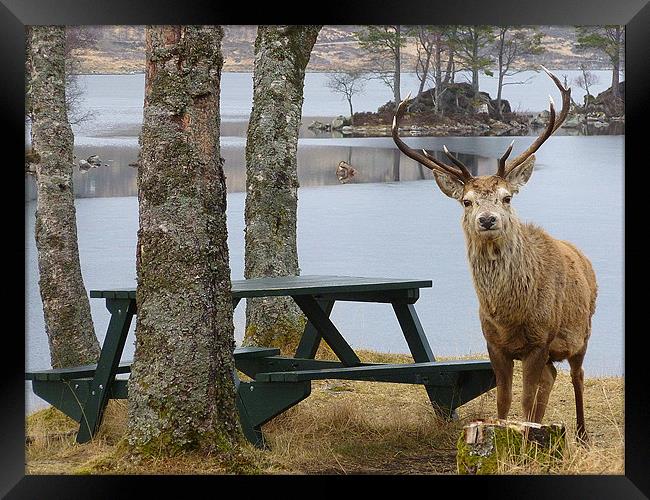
(511, 44)
(348, 83)
(585, 81)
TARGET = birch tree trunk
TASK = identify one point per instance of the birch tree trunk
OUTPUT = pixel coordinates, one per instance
(66, 309)
(397, 95)
(281, 56)
(616, 62)
(181, 392)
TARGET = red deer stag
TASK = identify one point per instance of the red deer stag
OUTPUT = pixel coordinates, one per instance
(536, 294)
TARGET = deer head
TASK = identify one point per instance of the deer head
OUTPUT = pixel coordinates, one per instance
(486, 199)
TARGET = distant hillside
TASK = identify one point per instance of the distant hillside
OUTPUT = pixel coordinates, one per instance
(120, 49)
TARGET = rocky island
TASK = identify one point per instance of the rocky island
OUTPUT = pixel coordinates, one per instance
(462, 111)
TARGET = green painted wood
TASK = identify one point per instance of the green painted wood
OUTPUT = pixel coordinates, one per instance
(122, 311)
(310, 340)
(255, 352)
(433, 373)
(298, 285)
(327, 330)
(75, 372)
(260, 402)
(78, 372)
(119, 389)
(472, 384)
(251, 432)
(422, 352)
(413, 333)
(67, 396)
(407, 296)
(252, 367)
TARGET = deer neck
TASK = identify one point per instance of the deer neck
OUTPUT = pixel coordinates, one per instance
(501, 271)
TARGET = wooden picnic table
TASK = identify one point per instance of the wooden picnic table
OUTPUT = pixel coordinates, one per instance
(277, 382)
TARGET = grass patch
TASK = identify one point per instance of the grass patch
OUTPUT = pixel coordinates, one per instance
(348, 427)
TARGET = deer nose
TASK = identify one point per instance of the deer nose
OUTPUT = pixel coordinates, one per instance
(487, 221)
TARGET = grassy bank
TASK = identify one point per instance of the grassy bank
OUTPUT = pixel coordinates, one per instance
(346, 428)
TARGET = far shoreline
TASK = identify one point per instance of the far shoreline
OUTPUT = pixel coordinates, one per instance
(141, 72)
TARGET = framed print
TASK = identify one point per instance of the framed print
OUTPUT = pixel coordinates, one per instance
(406, 253)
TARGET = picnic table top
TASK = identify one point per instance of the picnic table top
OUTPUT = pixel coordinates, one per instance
(295, 285)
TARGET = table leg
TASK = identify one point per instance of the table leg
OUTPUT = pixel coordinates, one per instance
(122, 311)
(441, 398)
(259, 402)
(310, 339)
(327, 330)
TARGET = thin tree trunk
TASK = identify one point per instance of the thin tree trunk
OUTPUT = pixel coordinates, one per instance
(475, 82)
(396, 75)
(66, 308)
(449, 71)
(616, 65)
(351, 112)
(181, 392)
(438, 72)
(615, 80)
(500, 69)
(425, 68)
(281, 56)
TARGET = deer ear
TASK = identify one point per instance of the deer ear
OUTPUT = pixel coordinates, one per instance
(450, 186)
(520, 174)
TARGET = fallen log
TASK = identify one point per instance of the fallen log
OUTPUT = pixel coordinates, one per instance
(485, 444)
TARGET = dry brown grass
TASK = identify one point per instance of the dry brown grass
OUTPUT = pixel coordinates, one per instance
(347, 428)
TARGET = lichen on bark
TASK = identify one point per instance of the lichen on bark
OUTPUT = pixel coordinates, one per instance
(281, 57)
(66, 309)
(181, 391)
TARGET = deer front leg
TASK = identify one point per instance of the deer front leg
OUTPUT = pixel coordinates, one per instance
(502, 364)
(532, 366)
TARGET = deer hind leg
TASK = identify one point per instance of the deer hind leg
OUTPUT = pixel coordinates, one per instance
(577, 378)
(533, 366)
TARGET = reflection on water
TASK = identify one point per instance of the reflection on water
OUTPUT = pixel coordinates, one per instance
(316, 167)
(389, 229)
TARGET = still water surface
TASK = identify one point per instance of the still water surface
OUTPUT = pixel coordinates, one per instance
(392, 222)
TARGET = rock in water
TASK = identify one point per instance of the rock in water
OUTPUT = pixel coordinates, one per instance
(484, 444)
(339, 122)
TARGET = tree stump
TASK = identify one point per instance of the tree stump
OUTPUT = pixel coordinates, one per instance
(484, 444)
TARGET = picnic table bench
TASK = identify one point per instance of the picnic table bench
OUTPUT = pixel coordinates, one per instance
(277, 382)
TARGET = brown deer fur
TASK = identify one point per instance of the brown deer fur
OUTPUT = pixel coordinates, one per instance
(536, 293)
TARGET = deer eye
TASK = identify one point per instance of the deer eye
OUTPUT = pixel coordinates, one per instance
(507, 199)
(467, 203)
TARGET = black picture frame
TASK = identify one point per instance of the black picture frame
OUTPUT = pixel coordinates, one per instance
(634, 14)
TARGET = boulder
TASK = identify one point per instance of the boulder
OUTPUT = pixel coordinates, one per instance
(317, 125)
(572, 121)
(339, 122)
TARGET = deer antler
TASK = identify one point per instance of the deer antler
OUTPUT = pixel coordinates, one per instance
(552, 126)
(459, 171)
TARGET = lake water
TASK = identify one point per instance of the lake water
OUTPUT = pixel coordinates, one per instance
(392, 222)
